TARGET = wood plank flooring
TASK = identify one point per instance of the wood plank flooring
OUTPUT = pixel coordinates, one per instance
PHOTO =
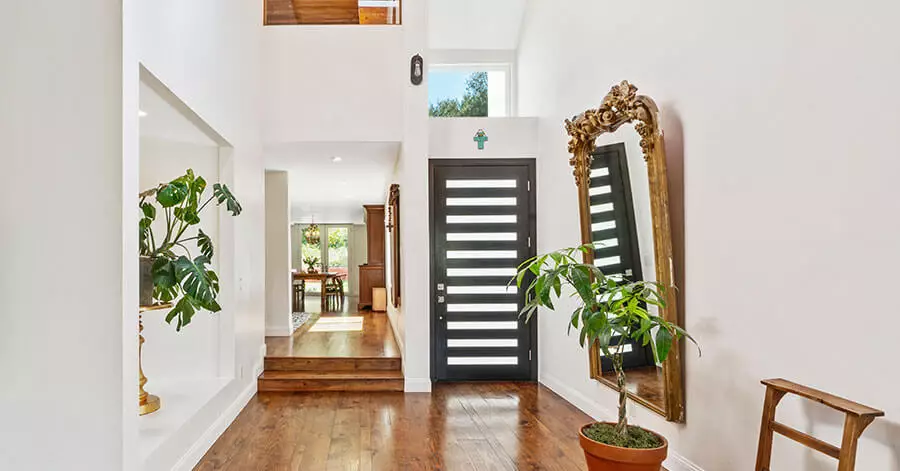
(459, 426)
(374, 339)
(341, 351)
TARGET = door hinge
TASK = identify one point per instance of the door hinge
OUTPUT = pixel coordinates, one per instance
(529, 241)
(529, 185)
(529, 354)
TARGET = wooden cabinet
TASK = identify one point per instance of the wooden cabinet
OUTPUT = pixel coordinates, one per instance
(371, 275)
(375, 233)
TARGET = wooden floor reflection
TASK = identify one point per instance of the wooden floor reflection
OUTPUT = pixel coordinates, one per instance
(462, 426)
(648, 382)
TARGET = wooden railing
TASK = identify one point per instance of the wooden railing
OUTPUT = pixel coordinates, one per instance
(332, 12)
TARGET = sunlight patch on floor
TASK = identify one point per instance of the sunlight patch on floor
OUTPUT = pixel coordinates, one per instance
(338, 324)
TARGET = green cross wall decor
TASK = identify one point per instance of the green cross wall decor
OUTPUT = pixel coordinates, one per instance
(480, 137)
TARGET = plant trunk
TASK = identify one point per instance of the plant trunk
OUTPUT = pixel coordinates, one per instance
(622, 424)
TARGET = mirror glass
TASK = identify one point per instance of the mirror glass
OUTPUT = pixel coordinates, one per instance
(622, 234)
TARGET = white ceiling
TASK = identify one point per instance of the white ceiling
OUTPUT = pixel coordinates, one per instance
(334, 192)
(164, 122)
(475, 24)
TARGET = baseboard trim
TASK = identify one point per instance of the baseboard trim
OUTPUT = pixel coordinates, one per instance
(392, 320)
(260, 362)
(674, 462)
(417, 385)
(195, 453)
(278, 332)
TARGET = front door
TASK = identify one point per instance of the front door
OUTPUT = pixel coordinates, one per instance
(482, 226)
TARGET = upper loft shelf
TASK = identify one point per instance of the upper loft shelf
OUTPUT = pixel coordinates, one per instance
(332, 12)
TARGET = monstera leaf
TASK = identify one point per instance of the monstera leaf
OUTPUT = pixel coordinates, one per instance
(223, 195)
(205, 244)
(166, 287)
(195, 281)
(172, 194)
(184, 310)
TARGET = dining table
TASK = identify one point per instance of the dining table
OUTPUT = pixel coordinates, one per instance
(303, 277)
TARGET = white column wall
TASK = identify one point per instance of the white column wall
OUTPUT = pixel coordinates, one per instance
(62, 203)
(278, 254)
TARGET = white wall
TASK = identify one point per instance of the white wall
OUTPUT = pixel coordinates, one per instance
(278, 254)
(359, 246)
(162, 161)
(62, 200)
(327, 83)
(507, 137)
(785, 192)
(207, 52)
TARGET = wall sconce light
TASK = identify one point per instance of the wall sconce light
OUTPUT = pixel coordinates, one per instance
(416, 70)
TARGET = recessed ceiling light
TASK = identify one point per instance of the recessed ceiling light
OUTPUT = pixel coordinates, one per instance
(142, 114)
(336, 159)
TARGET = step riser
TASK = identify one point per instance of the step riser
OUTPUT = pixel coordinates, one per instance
(332, 364)
(293, 385)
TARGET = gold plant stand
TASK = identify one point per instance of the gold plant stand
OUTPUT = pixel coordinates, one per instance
(149, 403)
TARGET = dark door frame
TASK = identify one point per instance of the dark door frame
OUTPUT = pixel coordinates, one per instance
(434, 163)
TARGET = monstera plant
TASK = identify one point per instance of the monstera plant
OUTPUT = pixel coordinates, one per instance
(170, 272)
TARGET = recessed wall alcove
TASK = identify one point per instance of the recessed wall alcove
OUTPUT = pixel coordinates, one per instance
(189, 370)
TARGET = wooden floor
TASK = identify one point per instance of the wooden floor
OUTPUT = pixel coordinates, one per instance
(335, 335)
(459, 426)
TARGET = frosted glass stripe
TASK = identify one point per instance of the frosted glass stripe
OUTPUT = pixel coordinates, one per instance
(460, 361)
(602, 226)
(602, 208)
(481, 183)
(606, 243)
(599, 172)
(627, 348)
(481, 201)
(486, 325)
(606, 261)
(462, 343)
(481, 272)
(481, 254)
(482, 290)
(600, 190)
(486, 219)
(480, 236)
(500, 307)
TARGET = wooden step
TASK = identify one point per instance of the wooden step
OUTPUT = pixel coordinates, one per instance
(332, 364)
(361, 380)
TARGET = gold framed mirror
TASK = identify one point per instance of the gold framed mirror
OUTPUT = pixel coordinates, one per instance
(619, 162)
(393, 227)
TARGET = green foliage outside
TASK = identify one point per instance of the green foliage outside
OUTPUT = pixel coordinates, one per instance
(338, 251)
(473, 104)
(178, 276)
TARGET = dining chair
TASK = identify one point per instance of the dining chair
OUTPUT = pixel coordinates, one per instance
(335, 291)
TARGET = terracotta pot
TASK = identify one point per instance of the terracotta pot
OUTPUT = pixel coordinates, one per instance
(602, 457)
(145, 297)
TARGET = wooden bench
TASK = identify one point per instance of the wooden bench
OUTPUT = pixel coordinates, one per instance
(858, 417)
